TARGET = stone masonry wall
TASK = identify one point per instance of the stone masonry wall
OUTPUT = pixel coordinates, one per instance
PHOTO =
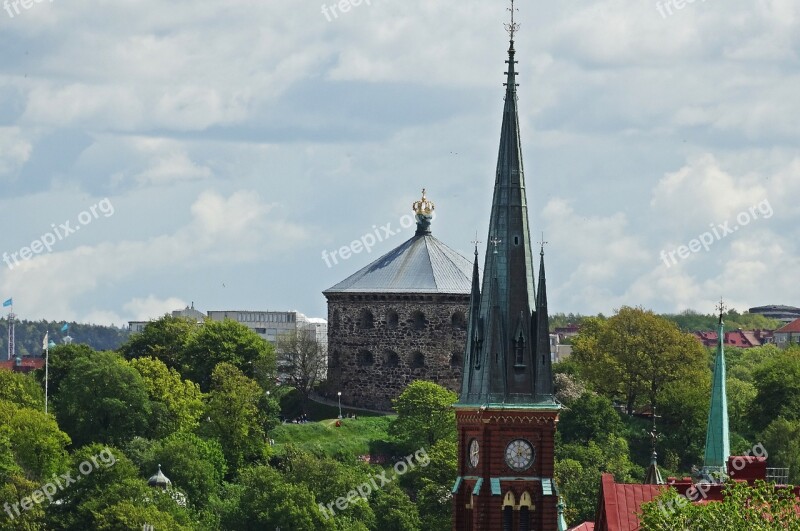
(378, 344)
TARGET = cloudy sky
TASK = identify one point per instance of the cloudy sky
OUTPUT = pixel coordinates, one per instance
(211, 151)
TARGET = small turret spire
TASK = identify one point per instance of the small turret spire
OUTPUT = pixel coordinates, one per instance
(717, 432)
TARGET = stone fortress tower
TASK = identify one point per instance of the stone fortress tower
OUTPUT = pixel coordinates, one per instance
(399, 319)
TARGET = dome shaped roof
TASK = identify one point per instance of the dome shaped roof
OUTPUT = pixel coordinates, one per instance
(422, 264)
(159, 480)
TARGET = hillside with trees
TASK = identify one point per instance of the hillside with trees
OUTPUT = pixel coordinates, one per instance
(29, 335)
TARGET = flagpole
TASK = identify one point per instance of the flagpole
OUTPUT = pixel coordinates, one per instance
(46, 367)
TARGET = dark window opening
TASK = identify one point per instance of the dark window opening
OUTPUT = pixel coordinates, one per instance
(366, 358)
(392, 359)
(366, 320)
(419, 321)
(458, 320)
(392, 320)
(418, 360)
(508, 518)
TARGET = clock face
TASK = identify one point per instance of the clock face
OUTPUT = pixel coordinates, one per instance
(474, 451)
(520, 454)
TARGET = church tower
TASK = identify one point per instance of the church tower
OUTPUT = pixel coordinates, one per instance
(506, 413)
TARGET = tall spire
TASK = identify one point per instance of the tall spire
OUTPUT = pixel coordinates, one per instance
(507, 336)
(717, 433)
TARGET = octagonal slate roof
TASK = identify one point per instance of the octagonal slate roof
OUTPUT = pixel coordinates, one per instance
(423, 264)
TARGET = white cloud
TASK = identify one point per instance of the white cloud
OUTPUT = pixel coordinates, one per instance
(151, 307)
(234, 229)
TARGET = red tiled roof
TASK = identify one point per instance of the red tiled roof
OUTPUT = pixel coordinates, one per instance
(586, 526)
(621, 502)
(793, 327)
(26, 365)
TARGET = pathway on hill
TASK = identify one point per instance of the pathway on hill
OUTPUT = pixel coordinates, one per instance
(322, 400)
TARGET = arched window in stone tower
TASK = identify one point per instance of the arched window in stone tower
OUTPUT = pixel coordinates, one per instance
(418, 320)
(336, 320)
(391, 359)
(392, 319)
(366, 319)
(456, 360)
(366, 358)
(417, 360)
(458, 320)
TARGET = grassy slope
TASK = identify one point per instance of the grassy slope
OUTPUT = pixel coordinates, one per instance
(355, 437)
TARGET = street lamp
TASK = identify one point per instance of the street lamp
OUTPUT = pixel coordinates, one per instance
(340, 404)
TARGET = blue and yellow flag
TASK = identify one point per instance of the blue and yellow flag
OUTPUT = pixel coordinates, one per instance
(9, 302)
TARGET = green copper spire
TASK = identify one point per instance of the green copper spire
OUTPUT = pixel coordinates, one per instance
(717, 436)
(507, 357)
(653, 475)
(562, 522)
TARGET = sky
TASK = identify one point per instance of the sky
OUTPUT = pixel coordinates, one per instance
(155, 154)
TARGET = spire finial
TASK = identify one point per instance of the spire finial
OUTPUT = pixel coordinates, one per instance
(542, 243)
(424, 213)
(475, 242)
(721, 307)
(654, 435)
(513, 27)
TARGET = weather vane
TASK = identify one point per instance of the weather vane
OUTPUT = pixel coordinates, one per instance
(543, 243)
(476, 242)
(721, 307)
(513, 27)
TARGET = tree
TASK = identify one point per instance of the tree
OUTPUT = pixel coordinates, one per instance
(229, 342)
(634, 354)
(21, 389)
(741, 396)
(267, 501)
(102, 399)
(683, 406)
(430, 485)
(61, 360)
(111, 495)
(164, 339)
(424, 415)
(394, 510)
(197, 466)
(176, 404)
(758, 507)
(36, 446)
(777, 382)
(302, 359)
(579, 467)
(234, 418)
(588, 418)
(567, 388)
(329, 479)
(782, 439)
